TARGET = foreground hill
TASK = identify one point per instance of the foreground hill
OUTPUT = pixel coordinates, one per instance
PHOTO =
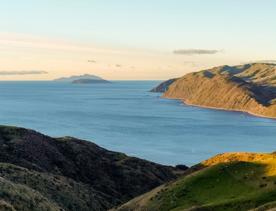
(38, 172)
(231, 181)
(250, 88)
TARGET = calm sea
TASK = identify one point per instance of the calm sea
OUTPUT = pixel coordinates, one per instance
(124, 116)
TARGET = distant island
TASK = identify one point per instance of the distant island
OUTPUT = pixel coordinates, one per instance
(90, 81)
(248, 88)
(82, 79)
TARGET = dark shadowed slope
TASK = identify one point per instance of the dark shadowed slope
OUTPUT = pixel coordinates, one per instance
(67, 173)
(163, 86)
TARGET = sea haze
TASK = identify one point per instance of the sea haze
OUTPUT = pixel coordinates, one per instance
(124, 116)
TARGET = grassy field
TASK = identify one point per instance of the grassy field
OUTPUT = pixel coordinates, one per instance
(240, 181)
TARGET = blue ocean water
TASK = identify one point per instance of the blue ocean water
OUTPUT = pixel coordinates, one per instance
(124, 116)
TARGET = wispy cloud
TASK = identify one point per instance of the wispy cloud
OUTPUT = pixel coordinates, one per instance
(264, 61)
(23, 72)
(10, 40)
(195, 51)
(92, 61)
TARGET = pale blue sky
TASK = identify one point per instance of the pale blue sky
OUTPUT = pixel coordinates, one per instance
(238, 27)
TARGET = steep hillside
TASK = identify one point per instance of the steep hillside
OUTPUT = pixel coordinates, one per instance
(231, 181)
(250, 88)
(70, 174)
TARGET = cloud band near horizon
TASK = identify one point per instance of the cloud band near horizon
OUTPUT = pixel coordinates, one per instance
(195, 51)
(23, 72)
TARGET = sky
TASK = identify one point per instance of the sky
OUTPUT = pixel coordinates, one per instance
(131, 40)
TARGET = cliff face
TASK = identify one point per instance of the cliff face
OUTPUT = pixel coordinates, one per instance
(250, 88)
(38, 172)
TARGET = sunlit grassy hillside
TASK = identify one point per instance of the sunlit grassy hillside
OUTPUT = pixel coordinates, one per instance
(232, 181)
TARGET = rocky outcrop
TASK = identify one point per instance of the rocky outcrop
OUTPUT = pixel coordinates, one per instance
(249, 88)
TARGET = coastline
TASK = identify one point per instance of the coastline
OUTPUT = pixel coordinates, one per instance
(221, 109)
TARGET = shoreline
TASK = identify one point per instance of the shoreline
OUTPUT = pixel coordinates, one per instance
(221, 109)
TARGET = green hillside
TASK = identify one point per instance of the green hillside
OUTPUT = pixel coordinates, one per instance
(240, 181)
